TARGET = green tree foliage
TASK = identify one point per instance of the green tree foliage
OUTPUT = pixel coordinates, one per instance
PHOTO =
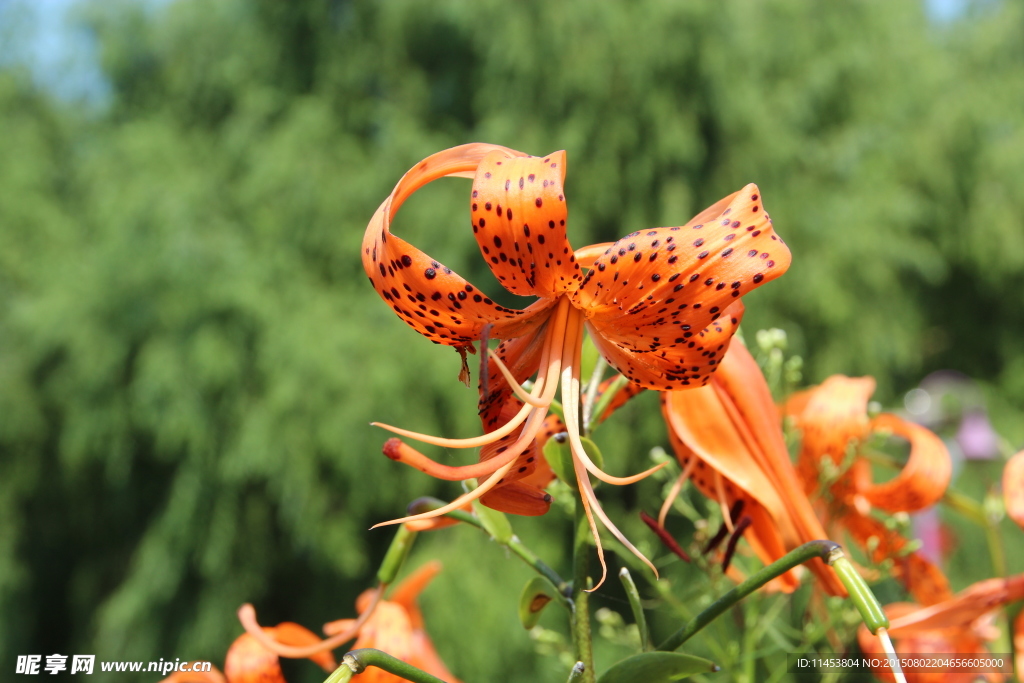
(190, 354)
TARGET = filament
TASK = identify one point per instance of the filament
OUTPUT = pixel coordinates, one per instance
(673, 493)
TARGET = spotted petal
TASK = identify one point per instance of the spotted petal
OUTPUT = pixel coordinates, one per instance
(830, 416)
(653, 290)
(433, 300)
(923, 480)
(518, 209)
(687, 361)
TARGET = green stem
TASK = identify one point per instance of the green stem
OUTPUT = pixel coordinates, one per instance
(638, 609)
(528, 556)
(580, 598)
(590, 396)
(393, 560)
(975, 511)
(356, 661)
(597, 414)
(426, 504)
(806, 552)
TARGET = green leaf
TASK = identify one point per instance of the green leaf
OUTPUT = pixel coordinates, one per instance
(559, 456)
(655, 667)
(536, 595)
(494, 522)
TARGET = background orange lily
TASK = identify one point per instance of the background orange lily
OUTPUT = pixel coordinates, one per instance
(960, 624)
(833, 419)
(394, 625)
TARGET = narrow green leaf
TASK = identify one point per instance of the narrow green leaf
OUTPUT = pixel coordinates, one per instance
(656, 667)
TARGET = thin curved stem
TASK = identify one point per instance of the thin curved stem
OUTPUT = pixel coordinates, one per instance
(357, 661)
(805, 553)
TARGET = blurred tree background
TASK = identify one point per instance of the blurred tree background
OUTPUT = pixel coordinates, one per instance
(190, 354)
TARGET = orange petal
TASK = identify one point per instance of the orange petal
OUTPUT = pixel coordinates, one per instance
(517, 498)
(406, 592)
(1013, 488)
(700, 428)
(432, 299)
(425, 657)
(931, 642)
(652, 287)
(518, 212)
(249, 662)
(963, 609)
(290, 633)
(744, 394)
(830, 416)
(924, 580)
(522, 357)
(923, 480)
(678, 366)
(211, 676)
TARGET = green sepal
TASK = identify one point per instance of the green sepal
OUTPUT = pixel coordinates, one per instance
(536, 595)
(494, 522)
(656, 667)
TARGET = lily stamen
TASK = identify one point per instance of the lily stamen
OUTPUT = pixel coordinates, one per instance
(674, 492)
(720, 490)
(516, 387)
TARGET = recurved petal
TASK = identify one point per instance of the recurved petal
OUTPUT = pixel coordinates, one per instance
(518, 210)
(1013, 488)
(963, 609)
(830, 416)
(249, 662)
(685, 357)
(432, 299)
(923, 480)
(652, 286)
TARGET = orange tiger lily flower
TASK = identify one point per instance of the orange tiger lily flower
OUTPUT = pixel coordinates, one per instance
(661, 305)
(248, 661)
(833, 417)
(728, 439)
(1013, 488)
(960, 624)
(396, 627)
